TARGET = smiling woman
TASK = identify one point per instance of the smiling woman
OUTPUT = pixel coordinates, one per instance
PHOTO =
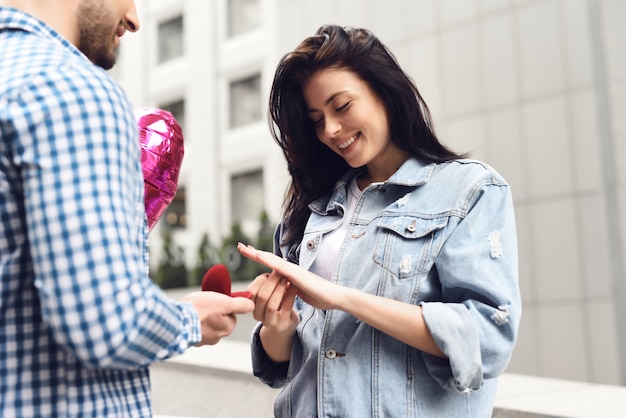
(393, 288)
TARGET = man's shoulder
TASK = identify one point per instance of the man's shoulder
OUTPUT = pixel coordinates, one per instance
(25, 55)
(46, 69)
(31, 52)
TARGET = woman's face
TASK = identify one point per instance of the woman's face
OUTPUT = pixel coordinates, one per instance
(351, 120)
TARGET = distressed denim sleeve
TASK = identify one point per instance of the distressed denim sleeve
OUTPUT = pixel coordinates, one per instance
(476, 322)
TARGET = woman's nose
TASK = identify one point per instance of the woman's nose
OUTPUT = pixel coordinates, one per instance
(331, 127)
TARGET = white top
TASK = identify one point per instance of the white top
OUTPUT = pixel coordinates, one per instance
(324, 263)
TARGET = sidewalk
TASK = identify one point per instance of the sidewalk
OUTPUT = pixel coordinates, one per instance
(212, 381)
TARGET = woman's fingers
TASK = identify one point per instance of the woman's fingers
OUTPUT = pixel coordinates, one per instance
(256, 284)
(269, 291)
(263, 257)
(315, 290)
(285, 268)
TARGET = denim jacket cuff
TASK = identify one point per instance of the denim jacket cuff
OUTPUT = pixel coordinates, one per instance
(268, 371)
(454, 334)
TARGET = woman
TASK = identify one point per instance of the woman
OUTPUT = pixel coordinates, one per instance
(393, 290)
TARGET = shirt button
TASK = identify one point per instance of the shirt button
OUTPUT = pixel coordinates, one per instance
(410, 228)
(310, 245)
(331, 354)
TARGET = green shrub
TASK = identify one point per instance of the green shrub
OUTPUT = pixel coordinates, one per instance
(171, 271)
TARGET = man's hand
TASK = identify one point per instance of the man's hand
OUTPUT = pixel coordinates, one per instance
(217, 313)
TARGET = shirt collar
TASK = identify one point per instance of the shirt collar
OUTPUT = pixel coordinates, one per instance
(14, 19)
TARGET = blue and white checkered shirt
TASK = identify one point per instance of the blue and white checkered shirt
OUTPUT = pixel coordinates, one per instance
(80, 320)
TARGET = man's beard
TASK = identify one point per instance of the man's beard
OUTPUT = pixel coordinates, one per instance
(100, 57)
(95, 37)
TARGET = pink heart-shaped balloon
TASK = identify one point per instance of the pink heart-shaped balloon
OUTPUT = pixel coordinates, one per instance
(217, 279)
(162, 150)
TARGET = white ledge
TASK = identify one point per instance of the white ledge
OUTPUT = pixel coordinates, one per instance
(540, 396)
(233, 356)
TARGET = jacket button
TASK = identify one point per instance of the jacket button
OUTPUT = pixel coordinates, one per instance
(331, 354)
(410, 228)
(310, 244)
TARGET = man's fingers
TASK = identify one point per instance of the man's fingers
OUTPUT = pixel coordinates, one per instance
(242, 306)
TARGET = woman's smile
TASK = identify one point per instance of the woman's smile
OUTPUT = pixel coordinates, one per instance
(349, 142)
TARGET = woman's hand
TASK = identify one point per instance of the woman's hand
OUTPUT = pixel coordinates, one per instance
(273, 297)
(314, 290)
(274, 294)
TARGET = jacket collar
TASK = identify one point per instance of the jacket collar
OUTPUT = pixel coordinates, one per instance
(412, 173)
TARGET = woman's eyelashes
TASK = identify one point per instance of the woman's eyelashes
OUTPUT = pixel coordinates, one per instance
(343, 107)
(339, 109)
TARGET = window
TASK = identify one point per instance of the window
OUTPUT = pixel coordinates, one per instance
(245, 101)
(170, 38)
(175, 216)
(243, 15)
(247, 201)
(177, 109)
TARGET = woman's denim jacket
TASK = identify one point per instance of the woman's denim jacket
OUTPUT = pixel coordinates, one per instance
(437, 235)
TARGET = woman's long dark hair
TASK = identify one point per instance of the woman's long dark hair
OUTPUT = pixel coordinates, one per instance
(314, 167)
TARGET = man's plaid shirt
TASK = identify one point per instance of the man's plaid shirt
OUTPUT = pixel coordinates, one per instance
(80, 320)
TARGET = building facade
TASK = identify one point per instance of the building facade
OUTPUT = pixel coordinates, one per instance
(536, 88)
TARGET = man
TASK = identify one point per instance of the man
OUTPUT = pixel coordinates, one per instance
(80, 320)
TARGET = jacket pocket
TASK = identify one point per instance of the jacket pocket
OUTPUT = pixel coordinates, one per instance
(407, 245)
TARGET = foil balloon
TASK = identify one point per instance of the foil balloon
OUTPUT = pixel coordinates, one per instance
(162, 150)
